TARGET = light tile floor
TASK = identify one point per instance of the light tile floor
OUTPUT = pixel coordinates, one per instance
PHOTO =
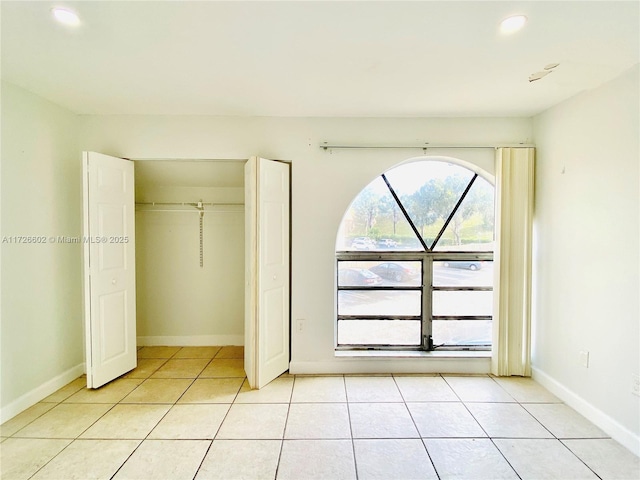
(188, 413)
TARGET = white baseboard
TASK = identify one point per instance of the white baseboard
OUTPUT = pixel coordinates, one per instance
(342, 365)
(34, 396)
(618, 432)
(191, 341)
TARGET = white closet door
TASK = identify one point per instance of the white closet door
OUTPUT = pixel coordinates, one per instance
(267, 324)
(109, 267)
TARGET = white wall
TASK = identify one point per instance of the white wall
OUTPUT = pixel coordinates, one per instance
(41, 327)
(178, 301)
(323, 183)
(587, 253)
(586, 285)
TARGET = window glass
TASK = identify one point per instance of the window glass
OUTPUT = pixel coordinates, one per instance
(374, 222)
(379, 332)
(396, 273)
(462, 303)
(471, 228)
(379, 302)
(357, 276)
(463, 273)
(461, 332)
(429, 191)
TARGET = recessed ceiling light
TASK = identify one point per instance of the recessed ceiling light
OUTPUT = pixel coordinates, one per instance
(66, 16)
(512, 24)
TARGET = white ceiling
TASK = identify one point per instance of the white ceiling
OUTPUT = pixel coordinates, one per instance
(363, 58)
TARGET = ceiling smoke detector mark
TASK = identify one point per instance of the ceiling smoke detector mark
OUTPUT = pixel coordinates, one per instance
(538, 75)
(543, 73)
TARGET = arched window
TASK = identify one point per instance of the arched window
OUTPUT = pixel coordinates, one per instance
(415, 261)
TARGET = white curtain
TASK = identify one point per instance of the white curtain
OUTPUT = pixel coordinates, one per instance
(512, 294)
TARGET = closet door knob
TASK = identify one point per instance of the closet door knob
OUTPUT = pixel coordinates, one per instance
(114, 281)
(275, 276)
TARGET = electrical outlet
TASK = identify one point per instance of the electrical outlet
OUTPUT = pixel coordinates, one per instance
(635, 384)
(584, 359)
(300, 325)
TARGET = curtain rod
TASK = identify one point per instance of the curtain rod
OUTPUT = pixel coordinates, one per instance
(425, 146)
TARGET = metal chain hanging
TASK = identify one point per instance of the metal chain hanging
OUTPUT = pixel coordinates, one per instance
(200, 207)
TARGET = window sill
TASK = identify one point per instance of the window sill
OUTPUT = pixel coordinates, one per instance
(413, 354)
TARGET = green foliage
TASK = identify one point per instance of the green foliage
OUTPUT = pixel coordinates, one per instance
(365, 207)
(378, 216)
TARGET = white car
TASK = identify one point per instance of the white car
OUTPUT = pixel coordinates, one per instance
(388, 243)
(363, 243)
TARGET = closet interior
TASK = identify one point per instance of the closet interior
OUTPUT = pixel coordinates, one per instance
(189, 252)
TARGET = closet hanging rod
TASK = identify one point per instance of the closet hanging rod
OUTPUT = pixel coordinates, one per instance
(181, 210)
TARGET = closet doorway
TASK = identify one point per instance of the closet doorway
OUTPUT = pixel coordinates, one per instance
(189, 252)
(201, 261)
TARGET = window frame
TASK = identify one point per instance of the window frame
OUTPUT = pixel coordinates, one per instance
(382, 257)
(427, 288)
(426, 256)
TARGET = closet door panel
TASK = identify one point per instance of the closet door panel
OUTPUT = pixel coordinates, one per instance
(268, 323)
(109, 268)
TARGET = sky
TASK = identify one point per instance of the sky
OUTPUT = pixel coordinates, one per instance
(409, 177)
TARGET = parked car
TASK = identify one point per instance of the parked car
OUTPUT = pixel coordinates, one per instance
(357, 276)
(363, 243)
(394, 271)
(387, 243)
(466, 264)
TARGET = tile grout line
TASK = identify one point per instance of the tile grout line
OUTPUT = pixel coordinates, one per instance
(204, 456)
(151, 430)
(113, 405)
(233, 402)
(52, 458)
(483, 429)
(353, 443)
(77, 437)
(56, 404)
(286, 422)
(158, 422)
(554, 437)
(424, 445)
(576, 456)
